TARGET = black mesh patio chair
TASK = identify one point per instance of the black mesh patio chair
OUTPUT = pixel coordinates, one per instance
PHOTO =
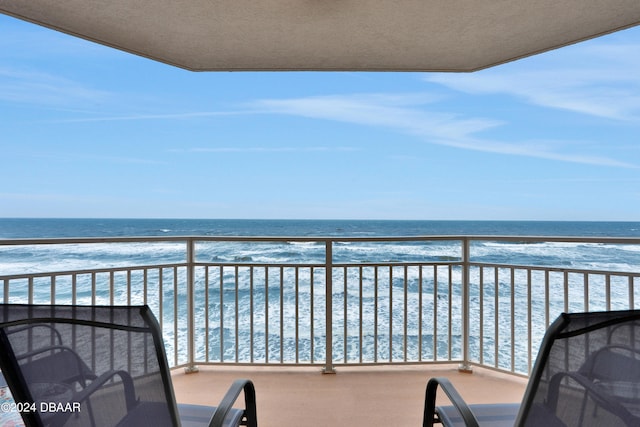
(100, 366)
(587, 374)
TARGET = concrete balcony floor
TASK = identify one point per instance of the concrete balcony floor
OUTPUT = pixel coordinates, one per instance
(354, 397)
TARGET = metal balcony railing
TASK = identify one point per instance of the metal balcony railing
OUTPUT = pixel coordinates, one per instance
(323, 306)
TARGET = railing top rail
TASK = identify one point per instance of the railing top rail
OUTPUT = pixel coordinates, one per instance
(319, 239)
(555, 239)
(73, 240)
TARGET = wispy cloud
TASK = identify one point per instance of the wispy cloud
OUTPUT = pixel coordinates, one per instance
(245, 150)
(168, 116)
(407, 114)
(400, 111)
(46, 90)
(63, 157)
(128, 160)
(32, 87)
(51, 91)
(599, 79)
(627, 182)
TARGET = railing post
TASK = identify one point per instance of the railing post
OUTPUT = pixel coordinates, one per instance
(465, 366)
(5, 293)
(328, 366)
(191, 336)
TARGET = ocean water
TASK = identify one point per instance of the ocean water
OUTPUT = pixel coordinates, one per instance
(43, 258)
(269, 301)
(44, 228)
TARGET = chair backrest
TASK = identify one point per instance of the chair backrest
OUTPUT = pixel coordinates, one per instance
(587, 372)
(85, 365)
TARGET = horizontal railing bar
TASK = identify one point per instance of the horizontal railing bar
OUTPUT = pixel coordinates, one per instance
(320, 265)
(323, 265)
(555, 269)
(338, 364)
(93, 270)
(258, 264)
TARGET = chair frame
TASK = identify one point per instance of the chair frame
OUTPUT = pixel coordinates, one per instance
(431, 416)
(14, 377)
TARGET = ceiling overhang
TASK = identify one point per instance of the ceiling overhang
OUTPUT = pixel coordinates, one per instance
(325, 35)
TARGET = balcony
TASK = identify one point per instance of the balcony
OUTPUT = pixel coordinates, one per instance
(385, 313)
(355, 397)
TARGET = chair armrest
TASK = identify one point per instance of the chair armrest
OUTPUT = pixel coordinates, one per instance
(83, 372)
(453, 395)
(41, 350)
(229, 399)
(127, 382)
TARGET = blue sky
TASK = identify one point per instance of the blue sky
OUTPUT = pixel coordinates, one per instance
(88, 131)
